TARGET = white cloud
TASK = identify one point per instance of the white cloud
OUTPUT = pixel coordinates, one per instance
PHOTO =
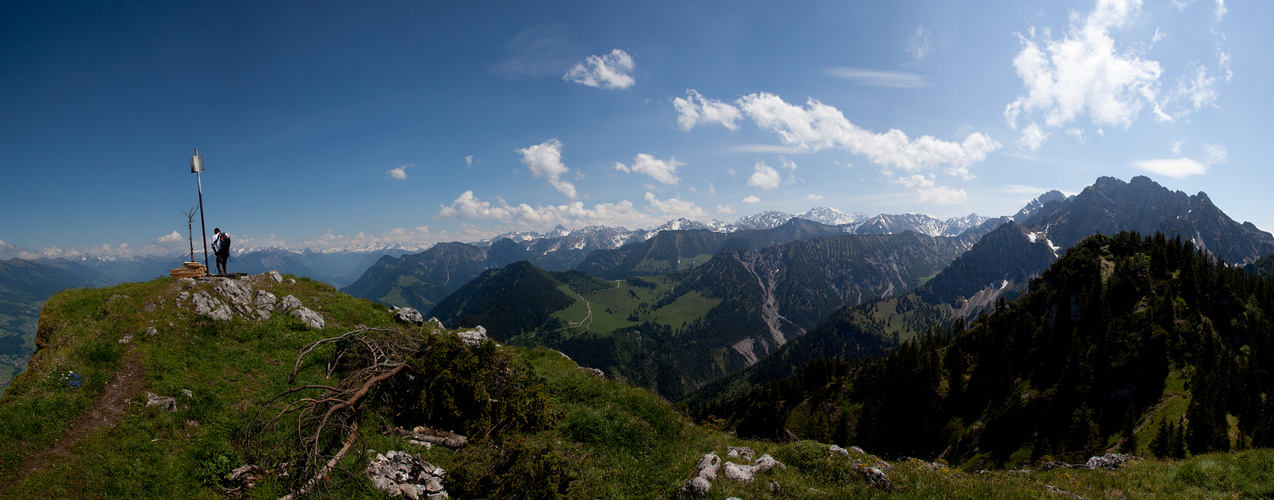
(1223, 62)
(927, 191)
(660, 170)
(1083, 73)
(880, 78)
(819, 126)
(1199, 90)
(813, 197)
(765, 177)
(726, 210)
(612, 71)
(675, 207)
(175, 236)
(468, 161)
(1220, 10)
(573, 214)
(694, 110)
(919, 47)
(1181, 168)
(545, 160)
(1032, 137)
(399, 172)
(1176, 146)
(1173, 167)
(751, 199)
(1214, 154)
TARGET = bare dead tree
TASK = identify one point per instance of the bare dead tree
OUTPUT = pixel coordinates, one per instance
(369, 357)
(190, 229)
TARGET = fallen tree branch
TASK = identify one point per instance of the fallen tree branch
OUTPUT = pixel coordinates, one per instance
(331, 464)
(367, 358)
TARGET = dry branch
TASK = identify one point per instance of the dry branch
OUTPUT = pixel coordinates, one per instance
(369, 356)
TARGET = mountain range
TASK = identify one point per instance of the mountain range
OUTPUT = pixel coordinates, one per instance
(1003, 262)
(420, 280)
(791, 287)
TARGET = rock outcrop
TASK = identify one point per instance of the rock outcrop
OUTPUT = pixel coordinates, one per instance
(708, 466)
(475, 336)
(236, 297)
(402, 474)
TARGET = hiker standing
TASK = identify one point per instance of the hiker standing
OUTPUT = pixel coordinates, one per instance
(221, 247)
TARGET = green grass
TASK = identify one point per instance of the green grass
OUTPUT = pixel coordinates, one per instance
(685, 309)
(698, 260)
(610, 440)
(613, 307)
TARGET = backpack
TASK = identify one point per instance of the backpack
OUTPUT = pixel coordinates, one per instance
(225, 244)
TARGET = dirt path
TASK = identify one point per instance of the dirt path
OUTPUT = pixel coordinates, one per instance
(105, 411)
(588, 318)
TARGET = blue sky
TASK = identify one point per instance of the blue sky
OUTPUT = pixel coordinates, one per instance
(327, 125)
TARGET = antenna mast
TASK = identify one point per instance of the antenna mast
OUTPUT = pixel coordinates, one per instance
(196, 166)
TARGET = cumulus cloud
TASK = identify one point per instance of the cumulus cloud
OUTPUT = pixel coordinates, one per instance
(726, 210)
(751, 199)
(574, 214)
(660, 170)
(880, 78)
(926, 190)
(1032, 137)
(1182, 168)
(545, 160)
(818, 126)
(674, 207)
(1084, 74)
(612, 71)
(468, 161)
(695, 110)
(765, 177)
(169, 238)
(399, 172)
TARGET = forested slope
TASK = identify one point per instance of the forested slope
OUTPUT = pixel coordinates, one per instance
(1143, 345)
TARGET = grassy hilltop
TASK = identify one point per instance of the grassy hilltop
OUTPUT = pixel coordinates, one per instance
(76, 423)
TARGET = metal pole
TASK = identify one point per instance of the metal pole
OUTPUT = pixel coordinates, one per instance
(202, 228)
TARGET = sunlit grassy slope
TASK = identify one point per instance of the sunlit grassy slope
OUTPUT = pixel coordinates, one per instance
(606, 440)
